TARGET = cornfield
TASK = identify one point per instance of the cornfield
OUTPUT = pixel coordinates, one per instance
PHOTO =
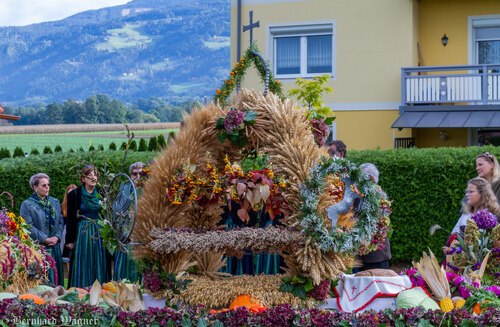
(75, 128)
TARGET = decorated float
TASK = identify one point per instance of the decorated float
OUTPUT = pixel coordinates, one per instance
(259, 158)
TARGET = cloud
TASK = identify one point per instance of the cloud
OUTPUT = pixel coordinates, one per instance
(25, 12)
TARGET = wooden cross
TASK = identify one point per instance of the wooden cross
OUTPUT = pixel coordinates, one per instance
(251, 26)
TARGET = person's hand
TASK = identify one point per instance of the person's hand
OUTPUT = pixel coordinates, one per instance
(70, 245)
(51, 241)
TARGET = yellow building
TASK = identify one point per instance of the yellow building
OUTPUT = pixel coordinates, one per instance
(403, 72)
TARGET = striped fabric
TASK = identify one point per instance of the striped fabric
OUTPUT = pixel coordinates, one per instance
(90, 260)
(56, 277)
(250, 264)
(124, 268)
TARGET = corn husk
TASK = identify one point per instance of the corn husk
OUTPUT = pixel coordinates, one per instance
(434, 275)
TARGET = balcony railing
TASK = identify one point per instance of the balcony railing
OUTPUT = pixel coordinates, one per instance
(473, 84)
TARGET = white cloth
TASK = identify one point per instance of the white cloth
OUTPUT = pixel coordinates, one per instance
(356, 293)
(462, 221)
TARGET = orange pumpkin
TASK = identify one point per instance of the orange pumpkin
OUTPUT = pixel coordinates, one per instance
(248, 302)
(33, 297)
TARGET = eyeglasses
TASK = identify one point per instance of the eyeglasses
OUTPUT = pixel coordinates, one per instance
(91, 178)
(45, 185)
(135, 174)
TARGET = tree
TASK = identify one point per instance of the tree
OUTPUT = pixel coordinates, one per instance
(18, 152)
(58, 148)
(4, 153)
(142, 145)
(34, 152)
(161, 141)
(91, 148)
(100, 147)
(112, 146)
(54, 114)
(47, 150)
(309, 93)
(133, 145)
(153, 144)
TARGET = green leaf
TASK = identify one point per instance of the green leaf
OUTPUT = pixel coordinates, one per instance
(220, 123)
(424, 323)
(299, 292)
(186, 322)
(400, 322)
(286, 287)
(221, 137)
(202, 323)
(329, 120)
(217, 323)
(250, 117)
(467, 323)
(309, 285)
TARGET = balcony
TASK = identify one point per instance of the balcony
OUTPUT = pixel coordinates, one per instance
(450, 96)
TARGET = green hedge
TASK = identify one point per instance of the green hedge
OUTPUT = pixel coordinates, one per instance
(62, 168)
(425, 185)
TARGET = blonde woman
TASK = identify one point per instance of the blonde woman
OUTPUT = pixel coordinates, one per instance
(487, 167)
(479, 195)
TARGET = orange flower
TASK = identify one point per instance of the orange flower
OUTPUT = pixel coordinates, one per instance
(217, 91)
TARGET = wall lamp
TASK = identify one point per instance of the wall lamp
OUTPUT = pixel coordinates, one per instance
(444, 40)
(443, 135)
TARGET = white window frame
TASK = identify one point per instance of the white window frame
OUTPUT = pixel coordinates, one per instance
(303, 30)
(478, 22)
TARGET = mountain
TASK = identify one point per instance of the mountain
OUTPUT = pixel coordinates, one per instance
(171, 49)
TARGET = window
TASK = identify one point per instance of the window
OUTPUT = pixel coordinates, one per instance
(484, 32)
(488, 45)
(305, 50)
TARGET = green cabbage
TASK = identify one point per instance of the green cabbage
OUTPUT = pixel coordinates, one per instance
(415, 297)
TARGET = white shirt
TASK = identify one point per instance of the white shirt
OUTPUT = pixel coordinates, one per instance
(462, 221)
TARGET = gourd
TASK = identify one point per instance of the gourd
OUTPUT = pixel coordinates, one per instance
(33, 297)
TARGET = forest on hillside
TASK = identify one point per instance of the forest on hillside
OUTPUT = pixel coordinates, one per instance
(100, 109)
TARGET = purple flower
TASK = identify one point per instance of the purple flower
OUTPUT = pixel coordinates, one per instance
(458, 280)
(233, 120)
(320, 130)
(485, 219)
(464, 292)
(320, 292)
(152, 281)
(494, 289)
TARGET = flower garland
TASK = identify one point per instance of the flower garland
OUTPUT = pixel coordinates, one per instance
(238, 72)
(251, 190)
(373, 209)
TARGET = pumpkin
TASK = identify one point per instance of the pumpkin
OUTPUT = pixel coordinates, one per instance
(33, 297)
(78, 290)
(244, 300)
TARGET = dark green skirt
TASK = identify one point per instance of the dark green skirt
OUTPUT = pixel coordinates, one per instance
(90, 257)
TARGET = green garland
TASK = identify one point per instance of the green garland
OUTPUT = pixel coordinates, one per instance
(370, 212)
(238, 72)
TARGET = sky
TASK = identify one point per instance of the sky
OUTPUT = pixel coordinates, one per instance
(26, 12)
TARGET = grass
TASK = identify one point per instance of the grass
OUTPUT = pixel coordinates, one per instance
(184, 87)
(125, 37)
(73, 140)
